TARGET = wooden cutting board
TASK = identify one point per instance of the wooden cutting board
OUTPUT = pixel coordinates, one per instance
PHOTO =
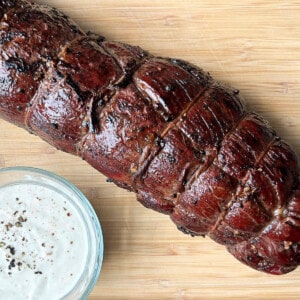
(251, 45)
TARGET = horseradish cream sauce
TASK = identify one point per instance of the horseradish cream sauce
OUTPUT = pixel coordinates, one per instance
(43, 242)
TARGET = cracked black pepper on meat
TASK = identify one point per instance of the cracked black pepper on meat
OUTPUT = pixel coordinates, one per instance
(201, 158)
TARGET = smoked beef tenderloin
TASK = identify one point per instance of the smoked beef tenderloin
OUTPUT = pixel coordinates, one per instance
(160, 127)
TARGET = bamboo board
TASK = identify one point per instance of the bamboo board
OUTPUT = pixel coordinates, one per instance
(251, 45)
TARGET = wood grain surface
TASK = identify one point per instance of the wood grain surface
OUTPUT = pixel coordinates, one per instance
(251, 45)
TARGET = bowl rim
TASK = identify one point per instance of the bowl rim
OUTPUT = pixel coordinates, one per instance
(94, 220)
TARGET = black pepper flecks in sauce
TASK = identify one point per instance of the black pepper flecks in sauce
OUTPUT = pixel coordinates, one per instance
(32, 243)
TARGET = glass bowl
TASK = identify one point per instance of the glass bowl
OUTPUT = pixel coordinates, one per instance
(51, 243)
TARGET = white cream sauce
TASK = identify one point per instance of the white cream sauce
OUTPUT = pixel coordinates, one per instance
(43, 243)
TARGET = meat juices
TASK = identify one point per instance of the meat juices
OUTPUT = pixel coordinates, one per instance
(160, 127)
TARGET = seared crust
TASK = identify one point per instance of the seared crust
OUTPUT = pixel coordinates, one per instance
(160, 127)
